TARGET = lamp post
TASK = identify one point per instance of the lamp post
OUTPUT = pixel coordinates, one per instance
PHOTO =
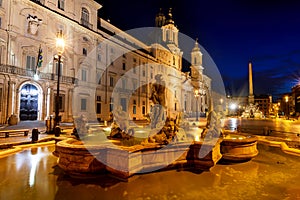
(288, 106)
(60, 46)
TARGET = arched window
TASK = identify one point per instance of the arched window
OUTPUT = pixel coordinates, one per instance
(85, 17)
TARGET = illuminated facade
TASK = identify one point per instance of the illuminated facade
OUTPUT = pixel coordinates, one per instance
(94, 66)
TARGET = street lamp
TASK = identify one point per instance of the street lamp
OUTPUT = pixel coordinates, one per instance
(198, 93)
(288, 106)
(60, 47)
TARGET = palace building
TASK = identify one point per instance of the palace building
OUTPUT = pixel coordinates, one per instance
(102, 67)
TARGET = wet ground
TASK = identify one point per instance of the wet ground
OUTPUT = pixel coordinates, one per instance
(33, 174)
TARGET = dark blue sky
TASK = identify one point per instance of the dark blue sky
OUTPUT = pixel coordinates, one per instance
(233, 32)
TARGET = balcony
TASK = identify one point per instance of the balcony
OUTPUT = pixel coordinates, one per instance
(86, 23)
(9, 69)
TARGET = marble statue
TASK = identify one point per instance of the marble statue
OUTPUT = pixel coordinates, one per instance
(159, 100)
(120, 125)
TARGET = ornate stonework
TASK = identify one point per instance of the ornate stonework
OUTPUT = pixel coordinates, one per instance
(33, 24)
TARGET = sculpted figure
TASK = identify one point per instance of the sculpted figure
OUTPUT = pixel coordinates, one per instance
(159, 101)
(120, 125)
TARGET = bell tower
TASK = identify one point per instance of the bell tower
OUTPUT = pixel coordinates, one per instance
(170, 32)
(196, 62)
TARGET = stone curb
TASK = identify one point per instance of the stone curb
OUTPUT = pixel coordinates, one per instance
(21, 147)
(282, 145)
(15, 147)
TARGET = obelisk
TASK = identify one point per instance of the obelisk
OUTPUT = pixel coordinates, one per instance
(251, 96)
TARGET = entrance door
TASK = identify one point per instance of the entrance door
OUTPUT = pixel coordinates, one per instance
(28, 102)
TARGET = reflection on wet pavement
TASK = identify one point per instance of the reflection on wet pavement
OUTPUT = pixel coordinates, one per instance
(33, 174)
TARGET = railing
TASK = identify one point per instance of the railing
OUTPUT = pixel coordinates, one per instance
(9, 69)
(87, 24)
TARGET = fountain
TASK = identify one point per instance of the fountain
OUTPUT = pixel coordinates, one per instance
(252, 111)
(166, 143)
(237, 147)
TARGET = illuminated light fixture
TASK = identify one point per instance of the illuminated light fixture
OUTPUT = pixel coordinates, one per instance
(233, 106)
(60, 47)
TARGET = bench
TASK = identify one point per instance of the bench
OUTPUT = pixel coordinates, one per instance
(7, 132)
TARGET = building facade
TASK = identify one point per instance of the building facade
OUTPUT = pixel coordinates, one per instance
(264, 103)
(102, 67)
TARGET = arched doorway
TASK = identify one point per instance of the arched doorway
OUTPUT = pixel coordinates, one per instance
(29, 97)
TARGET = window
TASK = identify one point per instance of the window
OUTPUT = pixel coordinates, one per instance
(56, 68)
(144, 73)
(98, 98)
(99, 57)
(111, 60)
(124, 66)
(84, 51)
(111, 81)
(111, 104)
(13, 59)
(98, 107)
(30, 63)
(83, 105)
(85, 16)
(99, 78)
(0, 20)
(83, 74)
(134, 65)
(144, 108)
(134, 107)
(124, 104)
(0, 2)
(175, 106)
(61, 4)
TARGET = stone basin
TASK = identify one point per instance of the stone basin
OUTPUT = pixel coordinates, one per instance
(90, 157)
(236, 147)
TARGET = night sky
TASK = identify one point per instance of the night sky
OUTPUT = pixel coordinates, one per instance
(234, 32)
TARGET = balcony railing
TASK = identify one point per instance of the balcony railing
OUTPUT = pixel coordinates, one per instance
(87, 24)
(9, 69)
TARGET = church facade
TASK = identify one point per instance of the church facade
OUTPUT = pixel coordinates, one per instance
(102, 66)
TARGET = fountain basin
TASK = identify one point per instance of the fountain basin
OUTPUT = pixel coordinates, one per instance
(79, 158)
(235, 147)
